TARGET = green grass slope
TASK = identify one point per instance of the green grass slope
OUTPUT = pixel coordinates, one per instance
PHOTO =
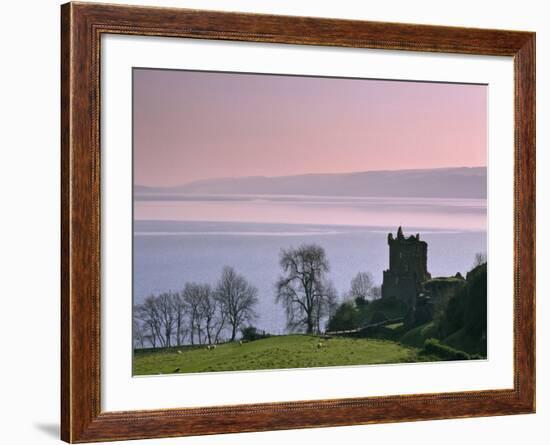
(418, 335)
(288, 351)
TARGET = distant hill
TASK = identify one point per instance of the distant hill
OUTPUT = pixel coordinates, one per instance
(461, 182)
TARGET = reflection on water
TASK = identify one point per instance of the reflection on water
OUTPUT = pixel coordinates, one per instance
(462, 214)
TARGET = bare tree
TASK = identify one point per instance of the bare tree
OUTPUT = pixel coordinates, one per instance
(180, 313)
(303, 289)
(361, 287)
(326, 303)
(237, 298)
(138, 333)
(480, 258)
(214, 318)
(167, 316)
(193, 294)
(149, 314)
(376, 292)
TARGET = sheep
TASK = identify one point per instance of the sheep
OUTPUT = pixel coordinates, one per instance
(179, 352)
(319, 345)
(211, 347)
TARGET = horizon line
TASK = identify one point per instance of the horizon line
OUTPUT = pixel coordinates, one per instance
(218, 178)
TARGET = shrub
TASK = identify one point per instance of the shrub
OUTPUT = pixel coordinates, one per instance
(465, 318)
(345, 318)
(417, 336)
(250, 333)
(390, 307)
(432, 346)
(378, 317)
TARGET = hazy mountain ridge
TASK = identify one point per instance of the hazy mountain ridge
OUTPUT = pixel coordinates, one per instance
(459, 182)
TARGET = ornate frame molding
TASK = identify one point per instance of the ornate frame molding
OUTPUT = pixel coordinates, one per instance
(82, 25)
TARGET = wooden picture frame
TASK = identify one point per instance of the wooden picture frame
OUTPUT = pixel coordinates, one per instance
(82, 25)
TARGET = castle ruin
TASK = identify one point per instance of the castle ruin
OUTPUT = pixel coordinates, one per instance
(408, 268)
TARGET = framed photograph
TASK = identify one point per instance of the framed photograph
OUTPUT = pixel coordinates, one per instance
(274, 222)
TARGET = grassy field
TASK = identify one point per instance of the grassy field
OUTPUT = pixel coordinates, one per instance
(288, 351)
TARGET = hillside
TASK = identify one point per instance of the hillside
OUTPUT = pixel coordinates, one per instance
(462, 182)
(280, 352)
(458, 322)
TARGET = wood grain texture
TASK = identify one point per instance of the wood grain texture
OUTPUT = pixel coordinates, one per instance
(81, 28)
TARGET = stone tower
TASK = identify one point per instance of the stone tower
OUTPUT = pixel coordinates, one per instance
(408, 268)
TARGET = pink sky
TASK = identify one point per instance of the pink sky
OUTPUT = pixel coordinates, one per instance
(194, 125)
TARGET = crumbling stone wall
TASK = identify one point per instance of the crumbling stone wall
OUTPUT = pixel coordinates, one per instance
(408, 268)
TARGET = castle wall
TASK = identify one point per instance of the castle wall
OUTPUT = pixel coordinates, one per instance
(408, 268)
(401, 287)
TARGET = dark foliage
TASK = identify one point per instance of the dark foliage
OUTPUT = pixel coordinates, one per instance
(463, 325)
(353, 314)
(433, 346)
(390, 308)
(378, 317)
(345, 318)
(251, 333)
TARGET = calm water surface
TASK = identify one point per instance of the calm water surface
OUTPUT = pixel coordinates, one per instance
(191, 238)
